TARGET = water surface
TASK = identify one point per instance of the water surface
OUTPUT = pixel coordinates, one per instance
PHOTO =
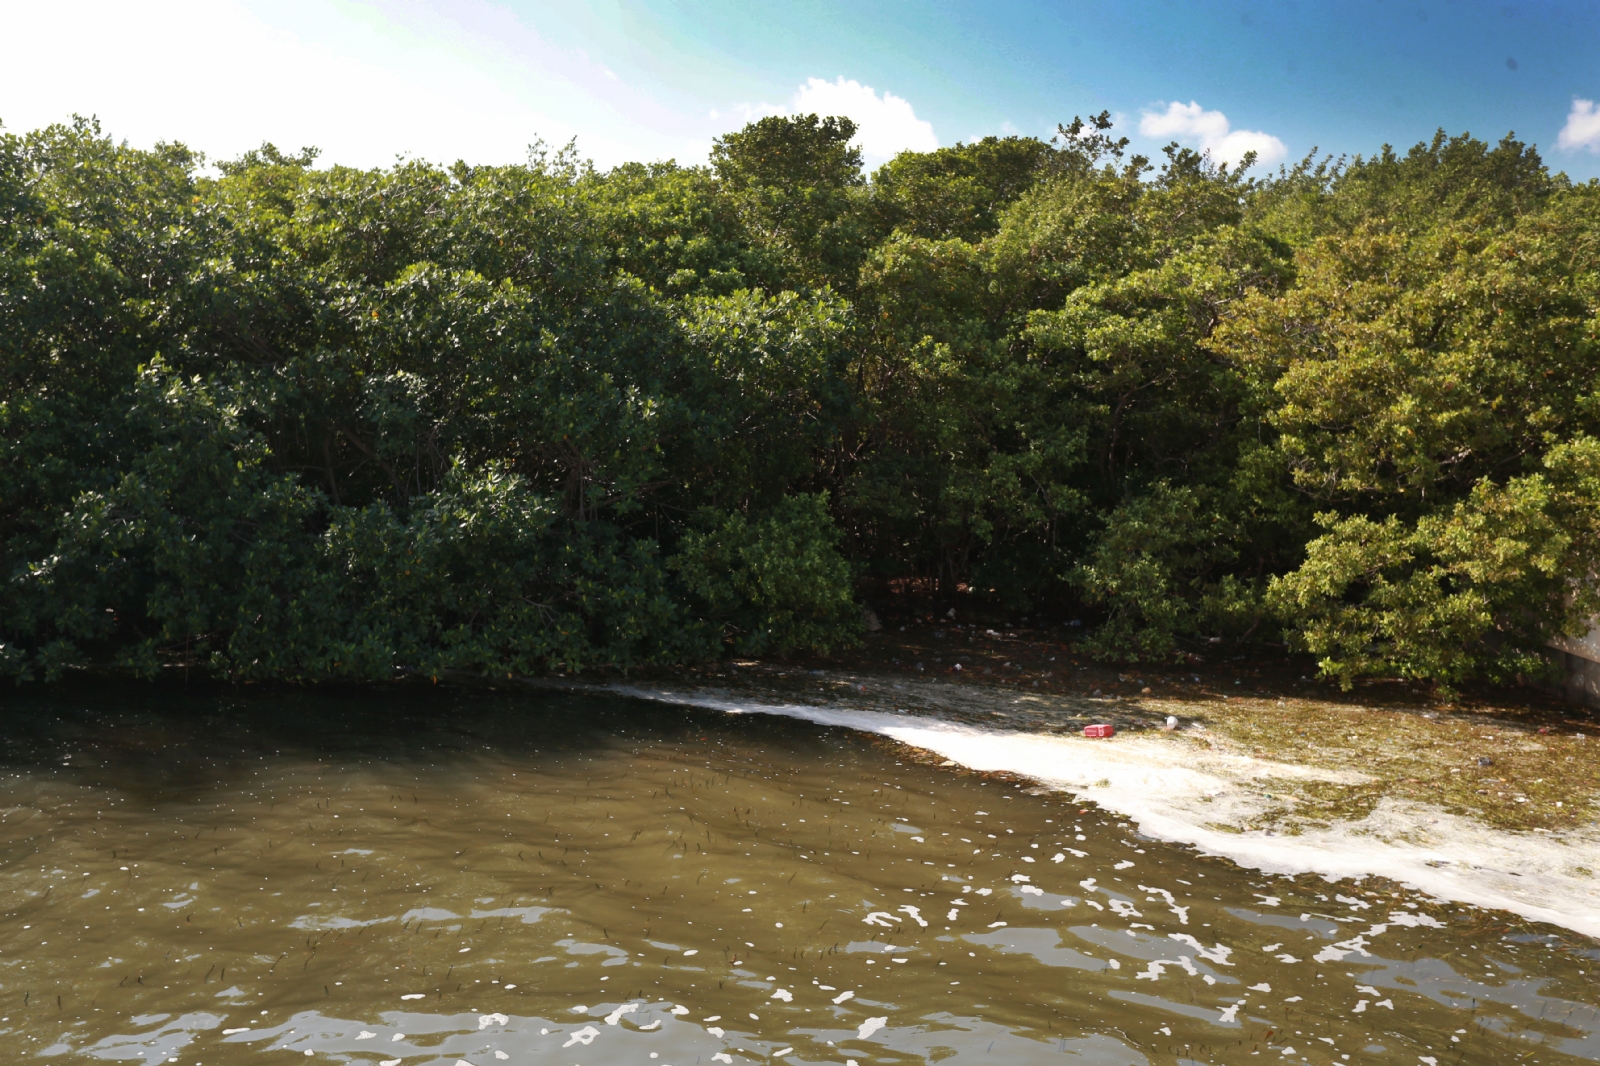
(419, 877)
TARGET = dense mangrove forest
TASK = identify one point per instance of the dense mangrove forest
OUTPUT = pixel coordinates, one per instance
(268, 418)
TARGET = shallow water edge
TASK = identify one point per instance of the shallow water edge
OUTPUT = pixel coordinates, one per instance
(1173, 795)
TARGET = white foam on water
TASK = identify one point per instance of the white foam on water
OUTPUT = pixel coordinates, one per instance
(1172, 791)
(615, 1017)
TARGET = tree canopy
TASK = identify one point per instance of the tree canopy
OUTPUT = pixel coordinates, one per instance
(271, 419)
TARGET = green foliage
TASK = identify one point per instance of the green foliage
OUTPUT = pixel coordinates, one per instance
(1427, 386)
(1472, 589)
(1137, 570)
(797, 186)
(775, 584)
(304, 422)
(957, 192)
(1450, 179)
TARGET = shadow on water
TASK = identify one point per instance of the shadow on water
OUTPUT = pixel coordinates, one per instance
(166, 742)
(429, 875)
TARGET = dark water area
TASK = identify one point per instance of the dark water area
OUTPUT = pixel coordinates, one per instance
(433, 876)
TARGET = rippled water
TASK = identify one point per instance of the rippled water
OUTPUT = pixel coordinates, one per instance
(435, 877)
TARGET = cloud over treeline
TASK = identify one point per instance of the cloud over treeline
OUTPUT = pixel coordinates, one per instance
(1211, 132)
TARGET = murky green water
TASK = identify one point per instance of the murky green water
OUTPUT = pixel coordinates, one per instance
(434, 877)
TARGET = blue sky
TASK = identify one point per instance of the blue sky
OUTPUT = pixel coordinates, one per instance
(651, 79)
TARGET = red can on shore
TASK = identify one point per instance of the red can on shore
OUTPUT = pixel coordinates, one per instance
(1099, 730)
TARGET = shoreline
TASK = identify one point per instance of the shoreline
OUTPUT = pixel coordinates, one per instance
(1201, 785)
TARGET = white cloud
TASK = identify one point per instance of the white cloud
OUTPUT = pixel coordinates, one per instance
(367, 80)
(364, 82)
(1211, 131)
(1583, 127)
(886, 124)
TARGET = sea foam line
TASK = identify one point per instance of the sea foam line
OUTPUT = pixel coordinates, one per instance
(1171, 791)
